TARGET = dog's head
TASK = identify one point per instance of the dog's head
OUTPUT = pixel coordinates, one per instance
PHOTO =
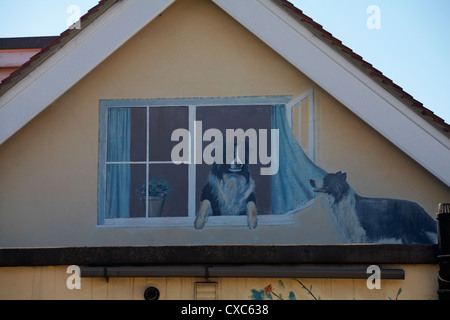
(235, 160)
(334, 184)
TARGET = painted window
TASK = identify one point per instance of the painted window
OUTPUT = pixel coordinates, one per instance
(142, 185)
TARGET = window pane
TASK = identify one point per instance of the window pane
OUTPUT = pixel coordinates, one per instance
(162, 123)
(122, 198)
(119, 134)
(127, 134)
(238, 117)
(117, 191)
(137, 201)
(138, 147)
(176, 178)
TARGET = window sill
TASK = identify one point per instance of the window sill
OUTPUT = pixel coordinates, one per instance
(188, 222)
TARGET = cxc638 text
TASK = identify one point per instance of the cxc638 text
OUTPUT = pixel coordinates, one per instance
(244, 309)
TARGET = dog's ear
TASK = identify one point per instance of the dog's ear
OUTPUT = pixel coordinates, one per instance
(342, 176)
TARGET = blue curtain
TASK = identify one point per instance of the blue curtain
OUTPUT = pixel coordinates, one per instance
(118, 175)
(291, 188)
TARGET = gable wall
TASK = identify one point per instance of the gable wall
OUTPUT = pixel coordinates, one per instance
(48, 170)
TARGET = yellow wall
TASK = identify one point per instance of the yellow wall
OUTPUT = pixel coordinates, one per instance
(48, 170)
(49, 283)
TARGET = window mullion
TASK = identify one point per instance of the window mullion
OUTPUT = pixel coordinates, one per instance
(192, 168)
(147, 165)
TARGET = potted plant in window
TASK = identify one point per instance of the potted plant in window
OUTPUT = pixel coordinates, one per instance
(155, 193)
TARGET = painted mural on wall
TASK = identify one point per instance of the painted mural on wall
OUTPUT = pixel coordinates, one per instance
(243, 164)
(229, 190)
(371, 220)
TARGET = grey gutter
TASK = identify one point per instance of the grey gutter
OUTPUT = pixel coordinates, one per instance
(326, 272)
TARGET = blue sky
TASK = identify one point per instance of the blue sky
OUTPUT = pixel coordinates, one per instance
(411, 47)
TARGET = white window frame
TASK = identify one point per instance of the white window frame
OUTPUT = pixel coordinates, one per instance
(306, 96)
(191, 104)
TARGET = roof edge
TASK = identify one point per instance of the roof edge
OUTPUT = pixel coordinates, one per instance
(364, 66)
(54, 45)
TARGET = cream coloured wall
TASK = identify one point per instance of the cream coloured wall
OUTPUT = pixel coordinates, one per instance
(48, 170)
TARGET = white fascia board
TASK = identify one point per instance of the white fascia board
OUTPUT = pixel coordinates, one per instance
(347, 84)
(73, 61)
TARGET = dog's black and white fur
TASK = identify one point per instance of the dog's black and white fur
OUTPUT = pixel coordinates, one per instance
(229, 191)
(370, 220)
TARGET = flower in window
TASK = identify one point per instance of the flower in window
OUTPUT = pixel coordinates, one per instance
(155, 188)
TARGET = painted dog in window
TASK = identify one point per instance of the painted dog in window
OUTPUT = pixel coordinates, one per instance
(229, 191)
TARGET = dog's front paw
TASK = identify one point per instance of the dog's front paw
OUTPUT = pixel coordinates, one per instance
(252, 215)
(252, 222)
(199, 222)
(202, 214)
